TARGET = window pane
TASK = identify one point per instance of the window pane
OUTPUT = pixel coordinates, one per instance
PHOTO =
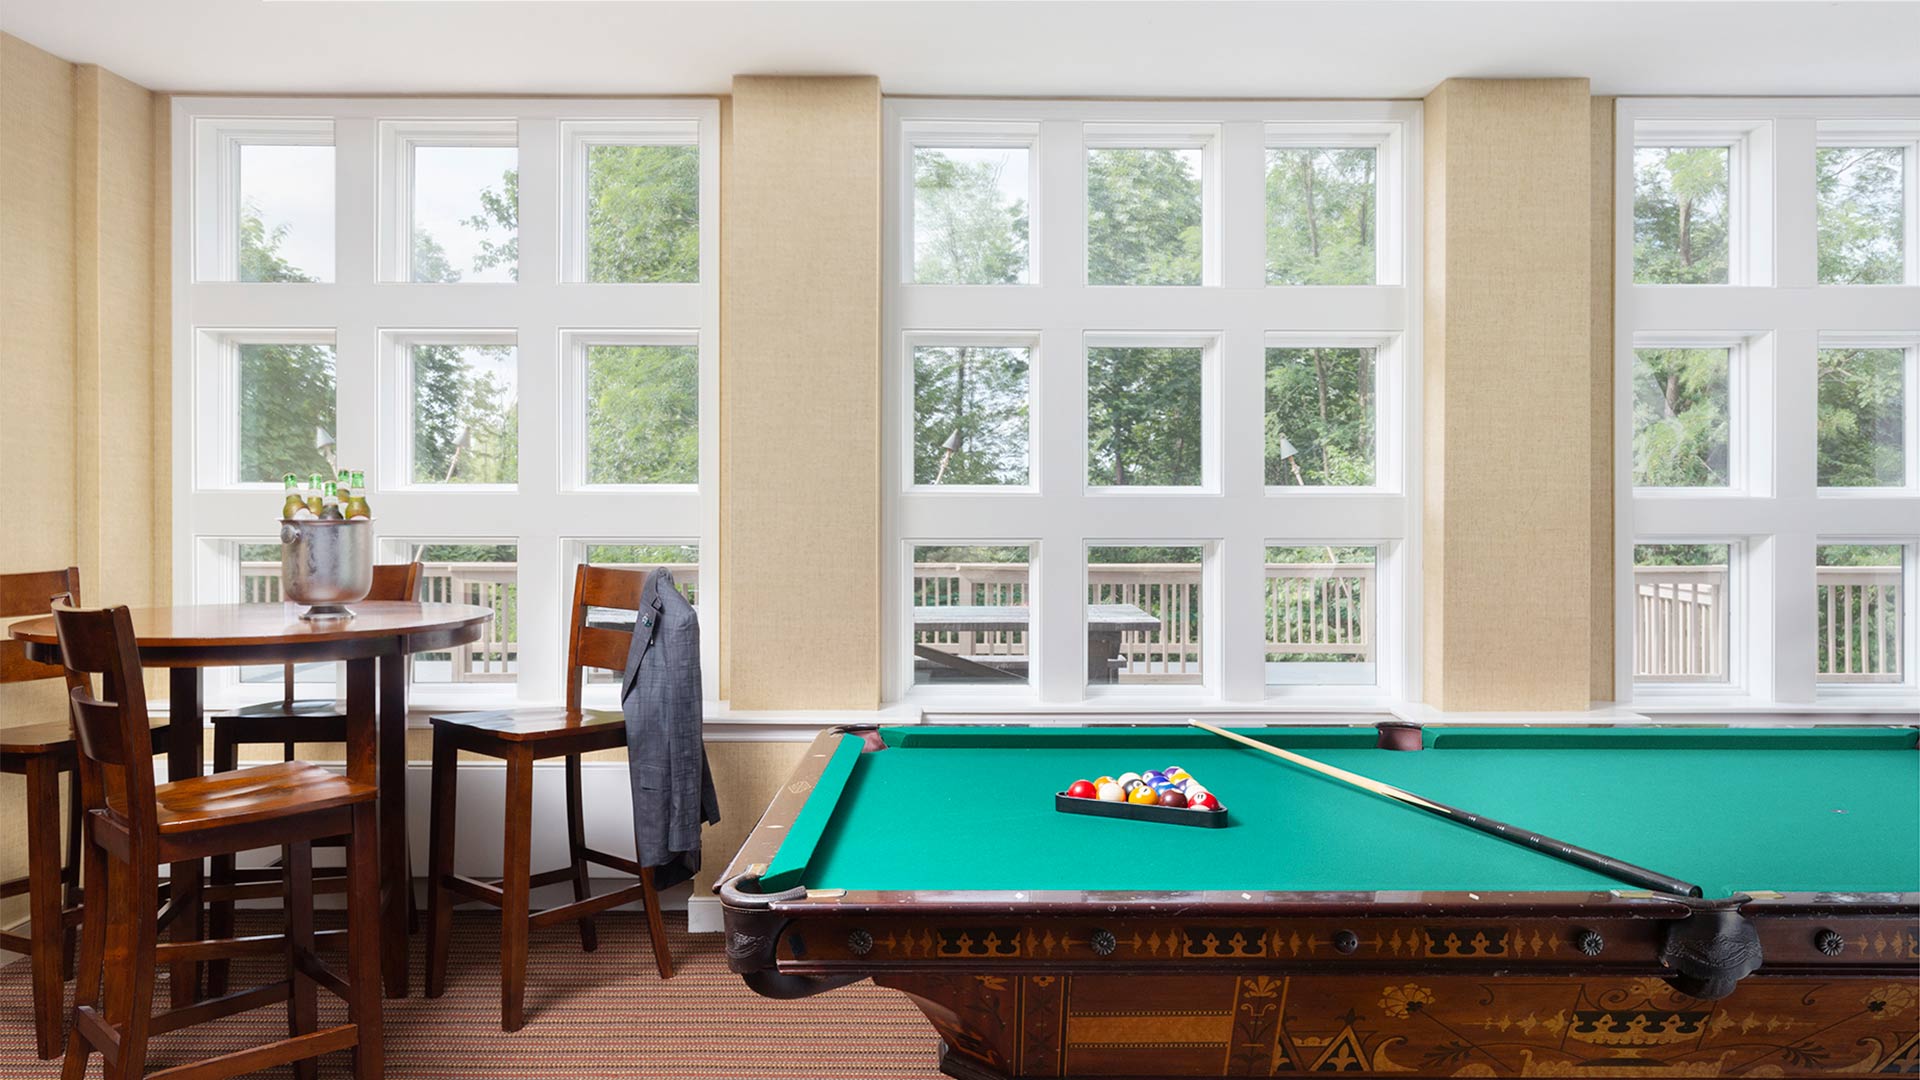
(466, 212)
(286, 399)
(1320, 405)
(970, 414)
(1144, 217)
(1143, 615)
(1681, 422)
(1320, 216)
(643, 414)
(970, 216)
(1320, 615)
(1144, 417)
(286, 213)
(970, 615)
(1680, 215)
(1680, 612)
(484, 574)
(1861, 612)
(643, 213)
(1862, 193)
(1863, 417)
(466, 425)
(258, 569)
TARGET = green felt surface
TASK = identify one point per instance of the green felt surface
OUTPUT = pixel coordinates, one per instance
(1732, 810)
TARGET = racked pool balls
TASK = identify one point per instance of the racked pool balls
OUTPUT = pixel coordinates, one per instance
(1083, 789)
(1110, 792)
(1171, 797)
(1203, 801)
(1142, 795)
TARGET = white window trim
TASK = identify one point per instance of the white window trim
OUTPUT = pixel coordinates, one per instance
(1780, 517)
(577, 138)
(216, 144)
(1058, 515)
(364, 309)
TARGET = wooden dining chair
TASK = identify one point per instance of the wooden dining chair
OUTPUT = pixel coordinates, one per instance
(520, 738)
(286, 722)
(41, 753)
(133, 826)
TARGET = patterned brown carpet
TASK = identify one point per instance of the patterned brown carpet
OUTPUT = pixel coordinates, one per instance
(600, 1014)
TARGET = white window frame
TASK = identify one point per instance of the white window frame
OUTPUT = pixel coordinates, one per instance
(216, 397)
(369, 313)
(577, 138)
(1057, 315)
(1891, 133)
(216, 142)
(398, 139)
(1776, 515)
(903, 401)
(396, 401)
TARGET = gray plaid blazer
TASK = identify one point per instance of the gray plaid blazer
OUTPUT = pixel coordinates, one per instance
(672, 785)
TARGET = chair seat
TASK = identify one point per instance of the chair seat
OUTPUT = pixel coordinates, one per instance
(524, 725)
(50, 737)
(259, 793)
(315, 709)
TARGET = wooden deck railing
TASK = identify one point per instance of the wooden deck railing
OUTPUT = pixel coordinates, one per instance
(1862, 621)
(1680, 623)
(1314, 611)
(496, 656)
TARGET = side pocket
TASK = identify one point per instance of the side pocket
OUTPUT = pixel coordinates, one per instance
(649, 775)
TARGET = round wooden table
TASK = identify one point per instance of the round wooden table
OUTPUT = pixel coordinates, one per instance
(375, 644)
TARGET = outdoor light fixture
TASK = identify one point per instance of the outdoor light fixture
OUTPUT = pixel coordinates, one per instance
(946, 457)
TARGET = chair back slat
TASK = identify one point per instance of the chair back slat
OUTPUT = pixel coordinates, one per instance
(96, 728)
(607, 587)
(599, 647)
(396, 581)
(596, 646)
(32, 593)
(111, 728)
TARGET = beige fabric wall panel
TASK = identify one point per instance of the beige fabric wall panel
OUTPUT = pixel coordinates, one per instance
(746, 774)
(36, 368)
(114, 377)
(36, 307)
(802, 378)
(1508, 395)
(1600, 431)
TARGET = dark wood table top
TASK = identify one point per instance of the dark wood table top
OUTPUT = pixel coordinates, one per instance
(210, 631)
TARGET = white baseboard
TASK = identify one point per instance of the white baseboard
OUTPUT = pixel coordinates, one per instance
(704, 915)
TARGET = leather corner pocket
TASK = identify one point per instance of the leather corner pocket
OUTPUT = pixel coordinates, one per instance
(649, 775)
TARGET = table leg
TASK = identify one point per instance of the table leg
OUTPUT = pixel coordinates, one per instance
(184, 736)
(396, 868)
(1102, 647)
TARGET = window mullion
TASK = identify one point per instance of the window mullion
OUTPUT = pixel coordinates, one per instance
(1794, 141)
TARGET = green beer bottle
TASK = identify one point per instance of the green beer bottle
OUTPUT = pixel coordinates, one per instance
(294, 501)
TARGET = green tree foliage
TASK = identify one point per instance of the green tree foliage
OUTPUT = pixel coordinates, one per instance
(1144, 217)
(1321, 400)
(643, 213)
(286, 390)
(1681, 429)
(980, 392)
(966, 231)
(466, 422)
(1862, 419)
(1320, 216)
(643, 414)
(1680, 215)
(1143, 416)
(499, 214)
(1703, 555)
(1862, 214)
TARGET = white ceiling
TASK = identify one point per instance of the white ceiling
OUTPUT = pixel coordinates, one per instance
(1284, 48)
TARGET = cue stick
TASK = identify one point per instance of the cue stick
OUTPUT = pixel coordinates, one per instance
(1605, 865)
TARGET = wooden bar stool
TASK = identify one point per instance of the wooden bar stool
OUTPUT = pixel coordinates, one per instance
(41, 753)
(521, 738)
(285, 722)
(133, 826)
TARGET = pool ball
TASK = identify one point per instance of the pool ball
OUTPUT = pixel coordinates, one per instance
(1110, 792)
(1102, 780)
(1171, 797)
(1142, 795)
(1082, 789)
(1203, 801)
(1128, 779)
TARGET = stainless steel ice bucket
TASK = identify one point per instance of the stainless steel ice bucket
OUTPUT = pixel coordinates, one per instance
(326, 564)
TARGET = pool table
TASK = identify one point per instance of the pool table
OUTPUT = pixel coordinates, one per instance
(1329, 929)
